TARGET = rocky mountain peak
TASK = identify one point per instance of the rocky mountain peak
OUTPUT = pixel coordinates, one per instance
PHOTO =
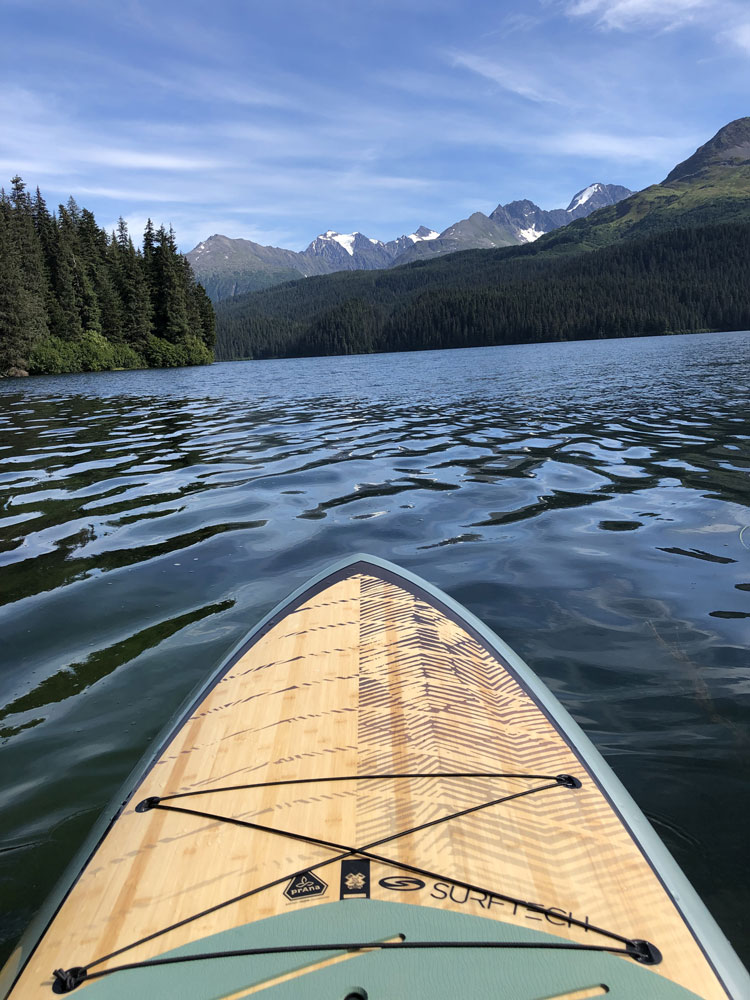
(581, 197)
(423, 233)
(596, 195)
(730, 147)
(228, 267)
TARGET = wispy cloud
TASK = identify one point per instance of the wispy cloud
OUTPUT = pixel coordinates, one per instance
(279, 123)
(634, 14)
(515, 79)
(725, 22)
(136, 194)
(737, 35)
(604, 146)
(134, 159)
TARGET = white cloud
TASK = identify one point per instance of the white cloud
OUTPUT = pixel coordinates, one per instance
(517, 81)
(738, 36)
(627, 15)
(137, 194)
(143, 160)
(637, 148)
(724, 21)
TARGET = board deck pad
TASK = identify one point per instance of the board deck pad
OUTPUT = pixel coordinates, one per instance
(367, 677)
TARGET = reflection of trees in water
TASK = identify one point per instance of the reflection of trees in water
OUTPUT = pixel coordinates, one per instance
(693, 672)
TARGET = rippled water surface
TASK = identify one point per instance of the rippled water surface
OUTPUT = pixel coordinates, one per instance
(586, 500)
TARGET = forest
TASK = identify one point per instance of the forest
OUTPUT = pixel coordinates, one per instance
(74, 298)
(678, 281)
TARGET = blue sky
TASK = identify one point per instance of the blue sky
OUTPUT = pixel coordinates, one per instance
(275, 120)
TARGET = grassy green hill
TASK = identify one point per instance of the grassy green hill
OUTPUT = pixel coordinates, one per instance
(709, 188)
(719, 196)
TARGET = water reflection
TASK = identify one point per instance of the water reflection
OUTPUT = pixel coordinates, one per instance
(586, 500)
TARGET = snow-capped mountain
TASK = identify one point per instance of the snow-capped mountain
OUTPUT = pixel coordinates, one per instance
(349, 251)
(595, 196)
(229, 267)
(529, 222)
(404, 242)
(514, 223)
(354, 251)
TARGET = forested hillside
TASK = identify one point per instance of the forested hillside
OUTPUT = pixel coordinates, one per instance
(681, 280)
(74, 298)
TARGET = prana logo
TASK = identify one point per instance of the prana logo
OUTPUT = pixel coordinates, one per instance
(304, 885)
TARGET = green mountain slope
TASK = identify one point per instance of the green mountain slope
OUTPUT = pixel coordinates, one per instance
(683, 240)
(710, 187)
(677, 281)
(227, 267)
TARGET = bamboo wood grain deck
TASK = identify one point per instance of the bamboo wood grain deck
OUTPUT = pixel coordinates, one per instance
(365, 677)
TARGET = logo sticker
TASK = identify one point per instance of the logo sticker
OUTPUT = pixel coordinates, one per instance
(304, 885)
(355, 879)
(402, 883)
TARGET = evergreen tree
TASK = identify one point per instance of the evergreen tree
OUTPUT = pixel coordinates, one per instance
(31, 261)
(91, 262)
(66, 281)
(72, 299)
(16, 320)
(170, 299)
(149, 260)
(134, 293)
(207, 317)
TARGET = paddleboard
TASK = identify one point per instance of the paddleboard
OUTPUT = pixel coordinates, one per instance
(374, 798)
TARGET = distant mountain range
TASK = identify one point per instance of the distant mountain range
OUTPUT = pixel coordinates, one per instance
(515, 223)
(230, 267)
(673, 257)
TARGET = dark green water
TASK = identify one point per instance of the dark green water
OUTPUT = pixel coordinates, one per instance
(586, 500)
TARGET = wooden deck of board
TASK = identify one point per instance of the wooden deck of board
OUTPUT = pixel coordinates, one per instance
(364, 677)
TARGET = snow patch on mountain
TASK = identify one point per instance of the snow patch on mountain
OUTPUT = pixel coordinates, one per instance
(345, 240)
(583, 196)
(530, 234)
(232, 267)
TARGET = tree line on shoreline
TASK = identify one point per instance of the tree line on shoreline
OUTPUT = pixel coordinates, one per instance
(681, 280)
(74, 298)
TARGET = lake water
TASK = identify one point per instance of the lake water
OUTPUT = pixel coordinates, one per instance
(586, 500)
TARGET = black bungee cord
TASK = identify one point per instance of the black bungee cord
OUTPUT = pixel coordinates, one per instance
(66, 980)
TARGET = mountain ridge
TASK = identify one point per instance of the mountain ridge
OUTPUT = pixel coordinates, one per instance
(623, 270)
(229, 267)
(710, 187)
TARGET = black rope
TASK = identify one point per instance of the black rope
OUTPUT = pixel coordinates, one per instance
(154, 802)
(68, 980)
(339, 847)
(366, 852)
(356, 777)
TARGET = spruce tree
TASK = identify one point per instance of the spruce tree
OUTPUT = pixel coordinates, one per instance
(136, 300)
(15, 325)
(207, 317)
(72, 299)
(67, 280)
(149, 261)
(170, 306)
(31, 260)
